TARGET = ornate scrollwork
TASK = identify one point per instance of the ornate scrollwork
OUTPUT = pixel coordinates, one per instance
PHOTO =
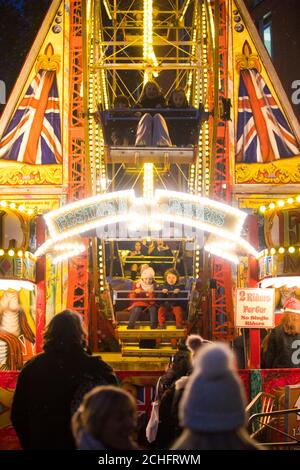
(282, 171)
(16, 173)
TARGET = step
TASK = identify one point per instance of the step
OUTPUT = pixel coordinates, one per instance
(135, 344)
(157, 352)
(146, 332)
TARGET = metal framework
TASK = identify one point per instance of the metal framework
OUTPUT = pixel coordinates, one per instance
(187, 48)
(78, 267)
(222, 306)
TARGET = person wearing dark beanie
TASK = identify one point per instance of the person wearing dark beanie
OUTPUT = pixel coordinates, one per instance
(212, 409)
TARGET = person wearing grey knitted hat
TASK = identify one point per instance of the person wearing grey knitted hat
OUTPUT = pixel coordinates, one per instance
(212, 409)
(195, 342)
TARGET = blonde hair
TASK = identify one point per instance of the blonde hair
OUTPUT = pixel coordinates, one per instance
(96, 407)
(291, 323)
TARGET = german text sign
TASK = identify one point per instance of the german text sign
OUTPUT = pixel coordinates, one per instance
(255, 308)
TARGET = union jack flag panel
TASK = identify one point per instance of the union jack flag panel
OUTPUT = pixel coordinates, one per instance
(145, 395)
(263, 134)
(34, 133)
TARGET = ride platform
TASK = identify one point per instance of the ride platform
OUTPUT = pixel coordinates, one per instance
(157, 155)
(144, 342)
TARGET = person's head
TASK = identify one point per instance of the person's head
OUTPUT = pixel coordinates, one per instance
(137, 246)
(65, 332)
(151, 90)
(106, 415)
(115, 137)
(147, 276)
(290, 321)
(194, 343)
(214, 399)
(121, 102)
(161, 243)
(178, 99)
(180, 363)
(171, 277)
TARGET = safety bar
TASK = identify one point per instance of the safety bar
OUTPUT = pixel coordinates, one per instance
(133, 114)
(154, 260)
(171, 299)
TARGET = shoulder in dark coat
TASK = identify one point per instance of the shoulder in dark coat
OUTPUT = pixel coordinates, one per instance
(41, 409)
(281, 348)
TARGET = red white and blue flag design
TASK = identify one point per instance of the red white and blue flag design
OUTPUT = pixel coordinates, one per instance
(145, 396)
(263, 134)
(34, 133)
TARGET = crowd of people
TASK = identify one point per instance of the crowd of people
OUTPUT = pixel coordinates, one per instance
(67, 399)
(202, 402)
(156, 249)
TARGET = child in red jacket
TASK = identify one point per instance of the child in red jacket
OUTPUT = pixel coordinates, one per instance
(141, 292)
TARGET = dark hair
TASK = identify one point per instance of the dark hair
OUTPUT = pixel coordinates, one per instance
(96, 407)
(171, 271)
(121, 99)
(153, 83)
(290, 323)
(171, 98)
(181, 363)
(65, 332)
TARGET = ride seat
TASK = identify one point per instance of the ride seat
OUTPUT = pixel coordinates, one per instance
(183, 124)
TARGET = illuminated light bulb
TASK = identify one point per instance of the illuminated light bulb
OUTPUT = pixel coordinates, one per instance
(290, 200)
(292, 249)
(272, 205)
(11, 252)
(281, 250)
(20, 253)
(280, 203)
(262, 209)
(1, 252)
(21, 208)
(30, 211)
(3, 204)
(12, 205)
(272, 251)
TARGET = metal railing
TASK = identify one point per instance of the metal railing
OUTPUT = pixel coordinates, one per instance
(166, 299)
(272, 428)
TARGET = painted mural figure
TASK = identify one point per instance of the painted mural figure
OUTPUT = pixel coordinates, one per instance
(13, 323)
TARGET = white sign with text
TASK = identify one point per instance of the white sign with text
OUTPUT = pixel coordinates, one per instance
(255, 308)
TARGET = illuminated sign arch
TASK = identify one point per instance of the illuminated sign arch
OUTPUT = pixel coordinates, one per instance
(223, 222)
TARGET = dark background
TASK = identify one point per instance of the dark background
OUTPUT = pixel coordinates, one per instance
(21, 19)
(19, 23)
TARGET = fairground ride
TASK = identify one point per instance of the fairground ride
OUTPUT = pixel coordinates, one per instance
(63, 164)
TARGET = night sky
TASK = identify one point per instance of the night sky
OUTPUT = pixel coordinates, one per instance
(20, 21)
